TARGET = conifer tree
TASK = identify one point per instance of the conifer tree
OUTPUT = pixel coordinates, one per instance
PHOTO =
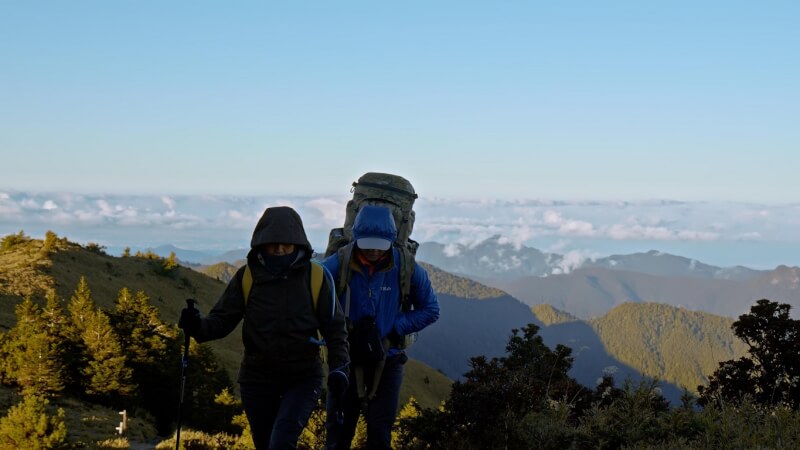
(105, 365)
(29, 426)
(49, 243)
(170, 263)
(32, 357)
(56, 325)
(80, 309)
(107, 370)
(143, 335)
(151, 347)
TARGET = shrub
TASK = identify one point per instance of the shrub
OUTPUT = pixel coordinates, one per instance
(28, 425)
(12, 240)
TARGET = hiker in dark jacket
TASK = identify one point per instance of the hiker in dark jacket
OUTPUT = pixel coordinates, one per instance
(281, 373)
(372, 304)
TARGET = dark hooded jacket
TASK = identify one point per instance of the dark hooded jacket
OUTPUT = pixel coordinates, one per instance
(280, 323)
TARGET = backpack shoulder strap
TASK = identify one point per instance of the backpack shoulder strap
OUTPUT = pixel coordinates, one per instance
(317, 274)
(247, 282)
(407, 266)
(345, 255)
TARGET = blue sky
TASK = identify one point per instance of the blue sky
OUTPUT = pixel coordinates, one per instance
(619, 100)
(586, 127)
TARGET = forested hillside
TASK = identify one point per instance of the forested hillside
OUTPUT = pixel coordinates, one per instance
(670, 343)
(70, 293)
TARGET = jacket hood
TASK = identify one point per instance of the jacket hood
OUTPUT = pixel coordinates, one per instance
(280, 224)
(375, 221)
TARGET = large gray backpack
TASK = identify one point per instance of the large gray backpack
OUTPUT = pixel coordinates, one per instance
(397, 194)
(373, 188)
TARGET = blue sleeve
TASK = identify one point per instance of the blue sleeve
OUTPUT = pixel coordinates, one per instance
(426, 305)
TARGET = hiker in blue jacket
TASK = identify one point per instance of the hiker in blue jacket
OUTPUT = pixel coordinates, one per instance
(378, 328)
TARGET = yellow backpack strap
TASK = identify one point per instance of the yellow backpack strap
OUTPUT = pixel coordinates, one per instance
(247, 283)
(317, 273)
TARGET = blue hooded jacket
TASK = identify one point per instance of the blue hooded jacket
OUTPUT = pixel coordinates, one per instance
(378, 294)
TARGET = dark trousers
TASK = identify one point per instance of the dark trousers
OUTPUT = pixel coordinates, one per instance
(380, 412)
(277, 413)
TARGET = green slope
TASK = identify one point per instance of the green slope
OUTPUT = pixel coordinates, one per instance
(674, 344)
(25, 270)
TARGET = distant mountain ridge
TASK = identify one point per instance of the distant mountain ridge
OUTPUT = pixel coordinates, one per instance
(194, 257)
(495, 259)
(592, 292)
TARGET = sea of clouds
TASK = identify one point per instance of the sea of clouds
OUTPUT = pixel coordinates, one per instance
(757, 235)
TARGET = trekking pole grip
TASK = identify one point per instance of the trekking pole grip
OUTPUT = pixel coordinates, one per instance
(190, 303)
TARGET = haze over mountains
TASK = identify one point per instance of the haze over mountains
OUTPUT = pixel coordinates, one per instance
(496, 259)
(589, 288)
(592, 287)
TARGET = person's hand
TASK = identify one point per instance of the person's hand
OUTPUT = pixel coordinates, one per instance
(338, 383)
(190, 321)
(394, 338)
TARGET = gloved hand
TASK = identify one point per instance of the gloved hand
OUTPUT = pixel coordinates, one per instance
(394, 338)
(338, 382)
(190, 321)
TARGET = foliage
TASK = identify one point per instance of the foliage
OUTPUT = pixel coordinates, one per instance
(12, 240)
(770, 375)
(106, 370)
(314, 434)
(206, 379)
(672, 344)
(199, 440)
(487, 408)
(631, 415)
(151, 347)
(28, 425)
(170, 262)
(31, 354)
(50, 242)
(96, 248)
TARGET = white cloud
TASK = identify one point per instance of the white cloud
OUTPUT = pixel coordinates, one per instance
(572, 260)
(452, 250)
(519, 235)
(169, 202)
(555, 225)
(332, 212)
(568, 227)
(639, 232)
(8, 207)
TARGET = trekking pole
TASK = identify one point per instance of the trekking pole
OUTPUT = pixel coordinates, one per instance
(184, 364)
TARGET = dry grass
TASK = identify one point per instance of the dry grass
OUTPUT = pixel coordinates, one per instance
(91, 426)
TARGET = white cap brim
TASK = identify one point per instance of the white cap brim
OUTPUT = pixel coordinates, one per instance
(372, 243)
